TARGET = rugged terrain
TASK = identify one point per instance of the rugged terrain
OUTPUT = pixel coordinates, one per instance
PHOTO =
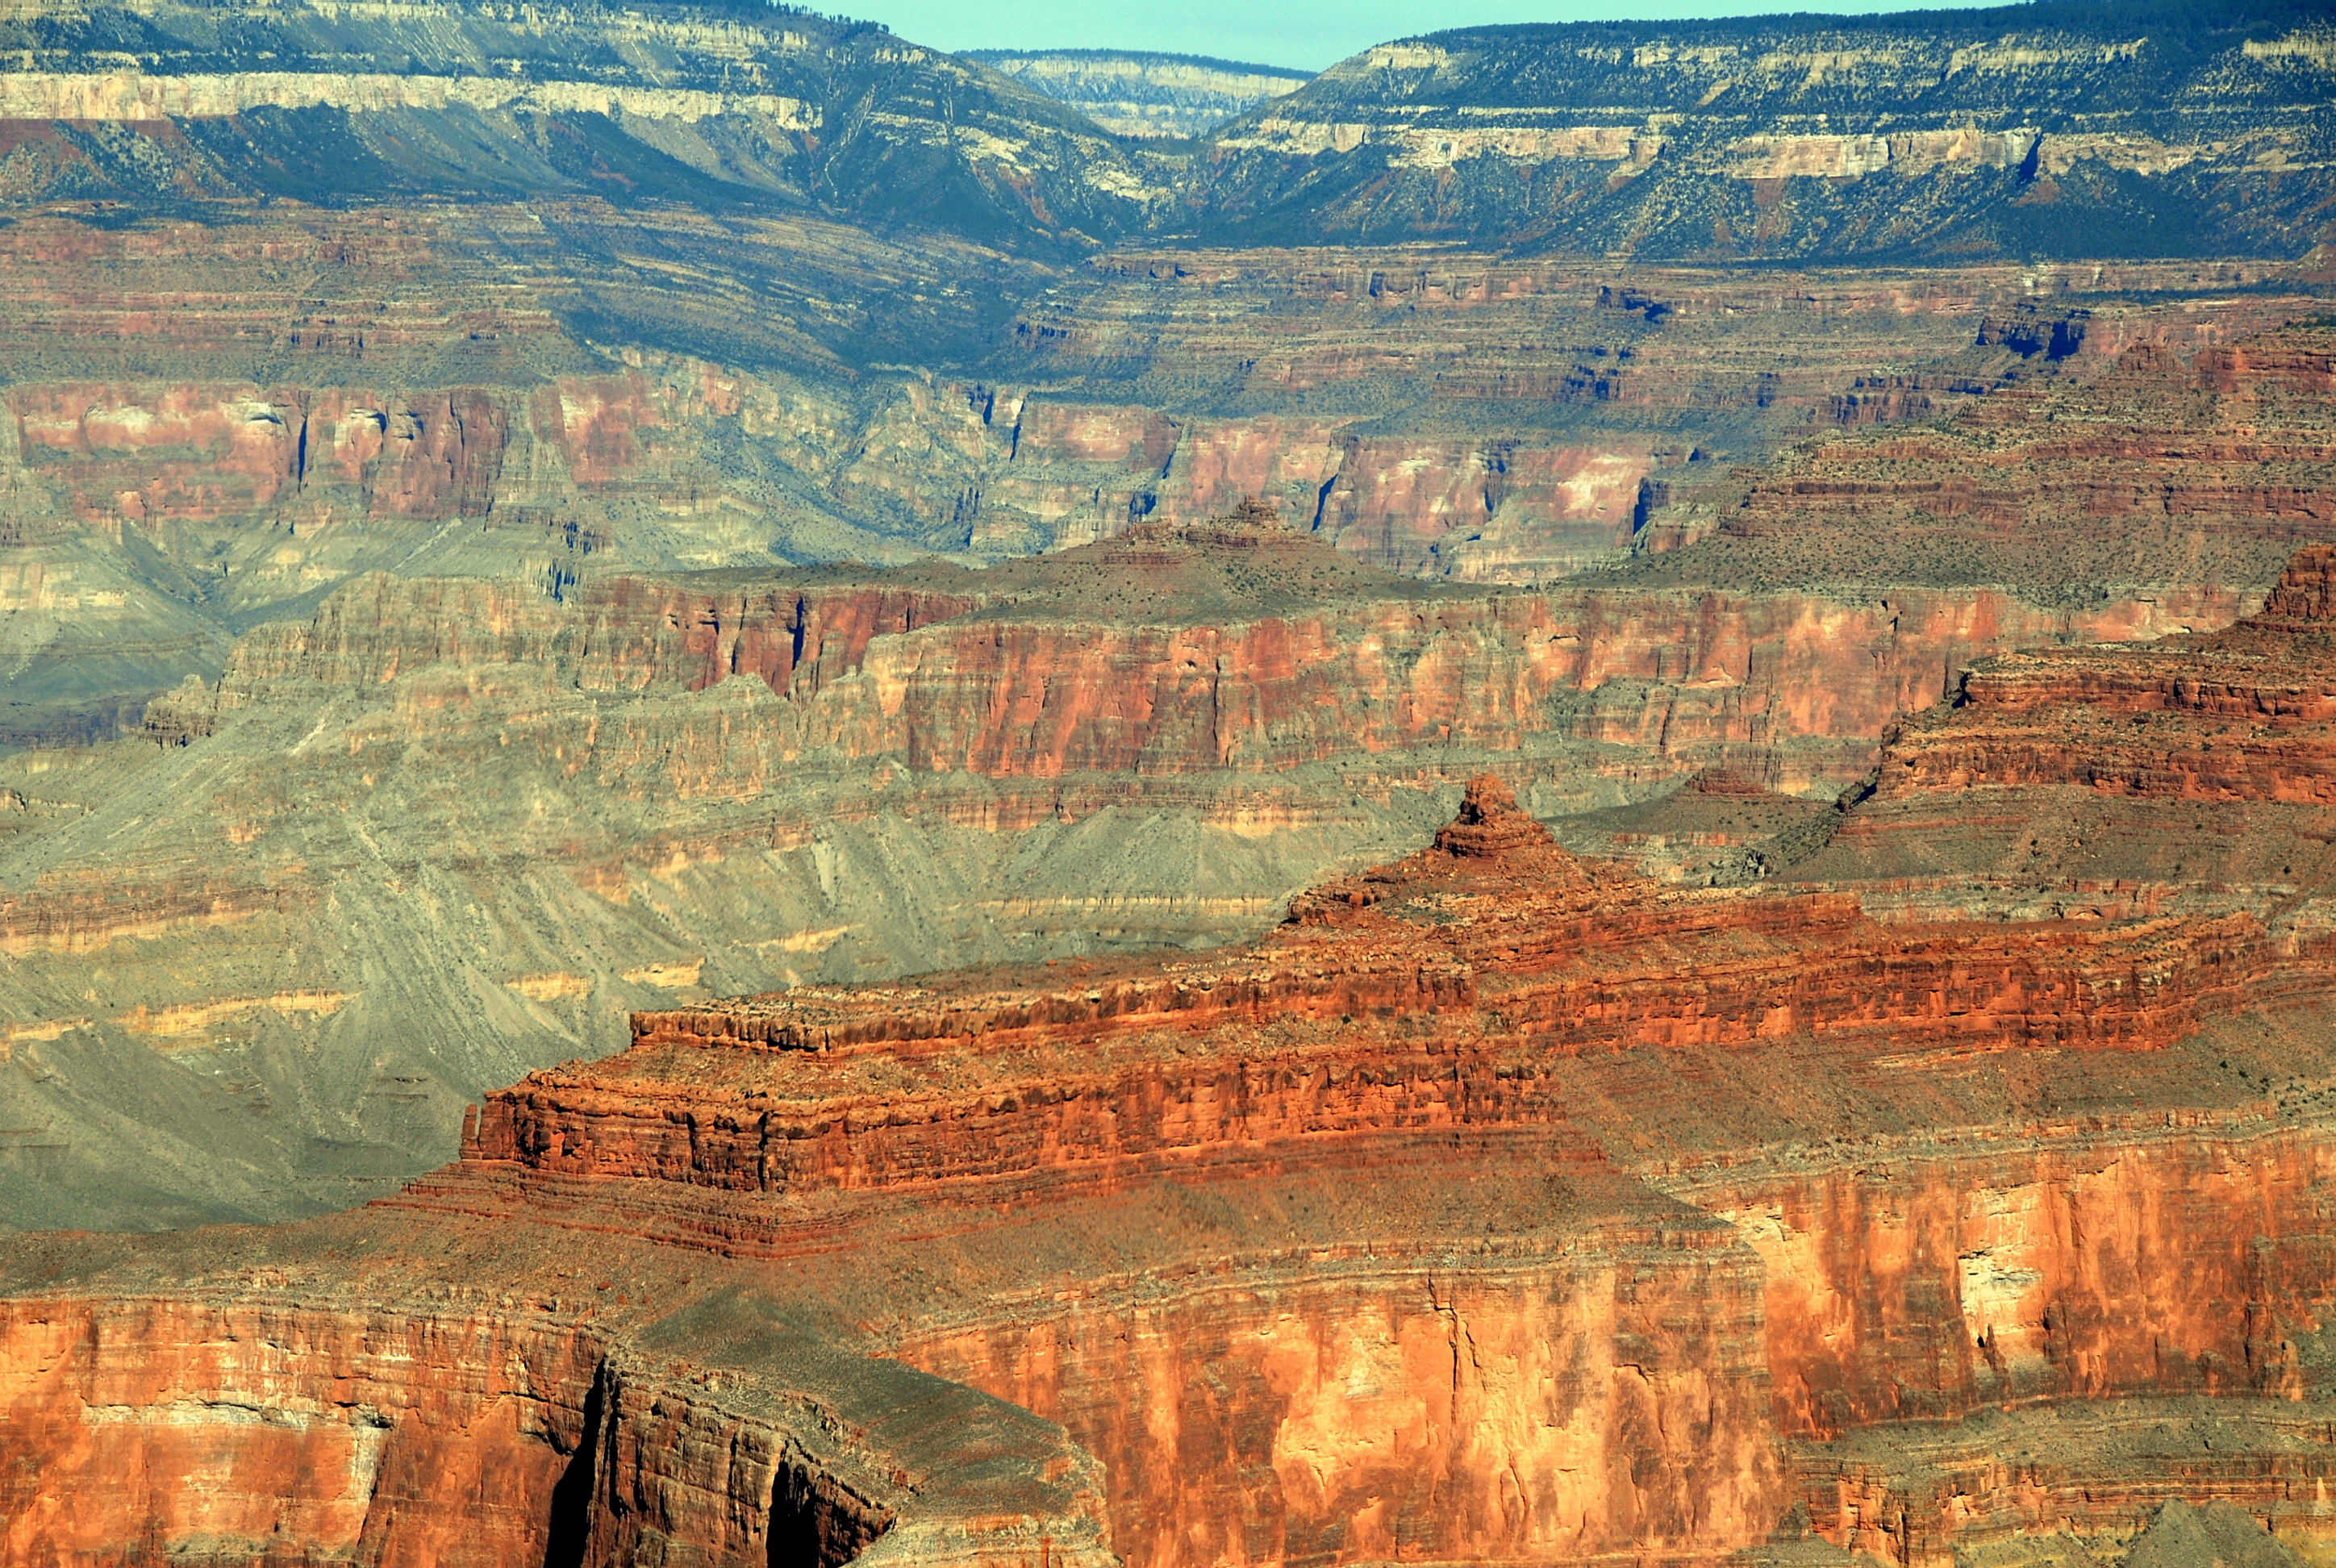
(2057, 130)
(1499, 1205)
(1145, 95)
(516, 809)
(1565, 802)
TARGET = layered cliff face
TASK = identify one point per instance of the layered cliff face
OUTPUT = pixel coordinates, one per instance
(1500, 1205)
(1635, 1397)
(516, 816)
(2075, 494)
(250, 1428)
(2027, 130)
(2187, 772)
(1145, 96)
(1915, 1141)
(713, 108)
(1521, 958)
(242, 419)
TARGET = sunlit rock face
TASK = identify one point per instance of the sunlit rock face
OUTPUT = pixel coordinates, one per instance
(1497, 1202)
(554, 800)
(859, 822)
(1145, 95)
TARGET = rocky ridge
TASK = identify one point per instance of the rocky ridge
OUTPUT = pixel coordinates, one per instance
(2042, 131)
(729, 784)
(1720, 1261)
(1145, 95)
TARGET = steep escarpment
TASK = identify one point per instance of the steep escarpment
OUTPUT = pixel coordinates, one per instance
(2026, 785)
(2048, 131)
(2026, 130)
(707, 108)
(1484, 1003)
(1498, 1204)
(468, 1434)
(1685, 1257)
(1141, 94)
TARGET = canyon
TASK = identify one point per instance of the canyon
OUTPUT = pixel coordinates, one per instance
(520, 803)
(770, 797)
(1499, 1204)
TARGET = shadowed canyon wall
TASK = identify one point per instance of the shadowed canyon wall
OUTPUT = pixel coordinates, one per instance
(141, 1429)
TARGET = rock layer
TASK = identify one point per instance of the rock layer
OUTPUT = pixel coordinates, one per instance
(1501, 1205)
(747, 781)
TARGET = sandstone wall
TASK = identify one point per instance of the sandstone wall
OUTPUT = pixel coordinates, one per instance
(141, 1430)
(1614, 1401)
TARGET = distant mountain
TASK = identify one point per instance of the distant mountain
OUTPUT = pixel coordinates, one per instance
(181, 103)
(2064, 130)
(1138, 94)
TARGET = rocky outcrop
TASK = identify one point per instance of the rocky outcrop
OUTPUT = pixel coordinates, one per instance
(1533, 1410)
(1138, 94)
(1273, 654)
(353, 1435)
(252, 1429)
(829, 776)
(1788, 137)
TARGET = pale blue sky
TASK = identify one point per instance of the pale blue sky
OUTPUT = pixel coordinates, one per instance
(1309, 35)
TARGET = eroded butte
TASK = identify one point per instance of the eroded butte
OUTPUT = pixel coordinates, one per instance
(1501, 1205)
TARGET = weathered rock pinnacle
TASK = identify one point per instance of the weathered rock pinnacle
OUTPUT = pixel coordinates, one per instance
(1491, 825)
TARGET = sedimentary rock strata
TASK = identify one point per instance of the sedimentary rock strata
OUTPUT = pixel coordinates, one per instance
(748, 780)
(1139, 94)
(1500, 1203)
(466, 1434)
(739, 784)
(1782, 138)
(2024, 789)
(859, 615)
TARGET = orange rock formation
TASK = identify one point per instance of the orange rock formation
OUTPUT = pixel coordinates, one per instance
(1500, 1205)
